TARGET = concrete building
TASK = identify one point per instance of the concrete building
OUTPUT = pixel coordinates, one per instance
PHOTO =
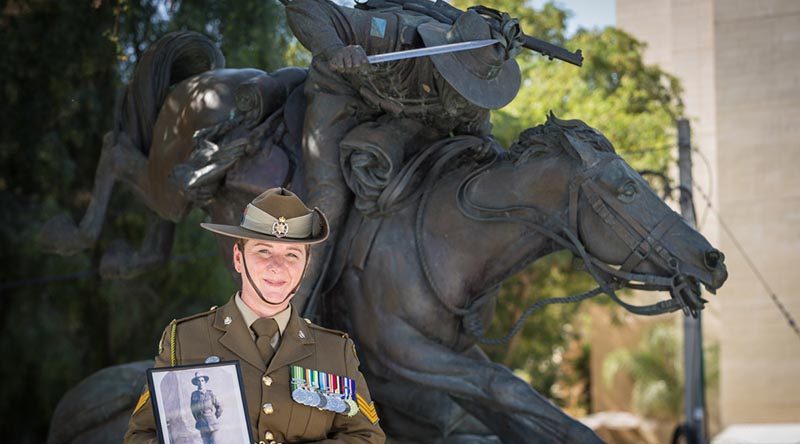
(739, 61)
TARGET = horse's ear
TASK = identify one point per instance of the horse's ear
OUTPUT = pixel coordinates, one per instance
(576, 146)
(588, 155)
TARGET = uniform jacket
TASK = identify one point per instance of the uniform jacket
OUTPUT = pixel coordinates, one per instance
(274, 416)
(206, 410)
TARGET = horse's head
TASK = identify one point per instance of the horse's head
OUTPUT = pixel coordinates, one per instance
(605, 212)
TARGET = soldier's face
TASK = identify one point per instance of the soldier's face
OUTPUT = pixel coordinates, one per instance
(276, 269)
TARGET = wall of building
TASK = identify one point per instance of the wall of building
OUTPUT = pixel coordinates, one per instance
(757, 81)
(739, 62)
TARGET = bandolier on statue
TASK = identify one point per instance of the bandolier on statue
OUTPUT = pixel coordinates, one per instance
(392, 108)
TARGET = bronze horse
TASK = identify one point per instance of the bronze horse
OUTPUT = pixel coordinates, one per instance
(416, 286)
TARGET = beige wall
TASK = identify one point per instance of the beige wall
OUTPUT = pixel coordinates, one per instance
(758, 100)
(739, 61)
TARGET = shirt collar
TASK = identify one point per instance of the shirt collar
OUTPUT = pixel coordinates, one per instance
(250, 316)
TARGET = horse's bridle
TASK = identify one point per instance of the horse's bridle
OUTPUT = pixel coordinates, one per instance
(644, 244)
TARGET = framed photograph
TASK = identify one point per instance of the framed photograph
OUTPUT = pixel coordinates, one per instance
(200, 404)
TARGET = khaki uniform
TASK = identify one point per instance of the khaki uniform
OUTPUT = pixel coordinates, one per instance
(274, 415)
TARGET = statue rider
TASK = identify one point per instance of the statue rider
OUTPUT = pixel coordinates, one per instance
(393, 103)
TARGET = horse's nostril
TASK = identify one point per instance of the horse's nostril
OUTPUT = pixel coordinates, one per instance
(713, 259)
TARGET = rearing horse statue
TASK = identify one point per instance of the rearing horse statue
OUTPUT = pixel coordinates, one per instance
(415, 287)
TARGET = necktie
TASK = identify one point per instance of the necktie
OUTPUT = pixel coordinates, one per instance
(265, 329)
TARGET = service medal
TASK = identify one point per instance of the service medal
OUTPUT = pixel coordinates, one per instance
(352, 407)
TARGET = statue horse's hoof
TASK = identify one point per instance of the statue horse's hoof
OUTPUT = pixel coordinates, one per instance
(60, 235)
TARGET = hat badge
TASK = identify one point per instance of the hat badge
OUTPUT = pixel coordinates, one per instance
(280, 228)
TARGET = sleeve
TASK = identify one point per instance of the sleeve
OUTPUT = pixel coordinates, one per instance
(217, 406)
(142, 425)
(320, 25)
(362, 428)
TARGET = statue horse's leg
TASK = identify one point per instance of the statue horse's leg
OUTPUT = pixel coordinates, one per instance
(409, 411)
(119, 160)
(505, 403)
(120, 261)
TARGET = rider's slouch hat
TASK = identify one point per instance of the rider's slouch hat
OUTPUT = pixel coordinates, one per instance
(484, 76)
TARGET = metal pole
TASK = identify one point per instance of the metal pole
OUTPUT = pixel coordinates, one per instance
(693, 368)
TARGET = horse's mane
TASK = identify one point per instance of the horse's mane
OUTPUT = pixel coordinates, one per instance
(550, 138)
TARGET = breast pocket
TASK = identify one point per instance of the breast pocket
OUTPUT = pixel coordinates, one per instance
(309, 423)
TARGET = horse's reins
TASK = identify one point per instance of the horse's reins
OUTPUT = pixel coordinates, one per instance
(642, 242)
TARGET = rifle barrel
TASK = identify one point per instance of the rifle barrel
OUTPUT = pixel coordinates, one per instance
(552, 51)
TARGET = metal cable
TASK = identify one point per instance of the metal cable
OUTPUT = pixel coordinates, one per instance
(782, 308)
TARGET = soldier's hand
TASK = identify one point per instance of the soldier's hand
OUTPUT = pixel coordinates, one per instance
(504, 28)
(349, 59)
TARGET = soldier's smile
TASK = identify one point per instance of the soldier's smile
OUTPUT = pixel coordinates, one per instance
(275, 283)
(276, 269)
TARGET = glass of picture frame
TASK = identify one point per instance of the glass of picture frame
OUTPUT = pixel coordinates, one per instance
(200, 404)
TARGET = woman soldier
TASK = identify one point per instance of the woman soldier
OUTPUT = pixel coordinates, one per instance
(301, 381)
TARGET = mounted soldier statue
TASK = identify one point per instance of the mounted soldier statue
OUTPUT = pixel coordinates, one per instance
(440, 214)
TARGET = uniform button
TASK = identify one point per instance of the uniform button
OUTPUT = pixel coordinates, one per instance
(266, 380)
(268, 436)
(268, 410)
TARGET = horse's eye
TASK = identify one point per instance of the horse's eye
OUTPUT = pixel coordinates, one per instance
(627, 192)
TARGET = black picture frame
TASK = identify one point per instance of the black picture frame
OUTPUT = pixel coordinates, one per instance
(176, 407)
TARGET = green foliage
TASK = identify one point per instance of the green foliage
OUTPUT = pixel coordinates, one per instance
(61, 67)
(656, 369)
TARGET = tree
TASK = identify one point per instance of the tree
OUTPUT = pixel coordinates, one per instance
(656, 368)
(61, 68)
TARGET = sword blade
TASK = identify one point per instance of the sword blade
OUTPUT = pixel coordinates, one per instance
(431, 50)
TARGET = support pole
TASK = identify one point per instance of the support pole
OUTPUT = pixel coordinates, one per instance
(693, 368)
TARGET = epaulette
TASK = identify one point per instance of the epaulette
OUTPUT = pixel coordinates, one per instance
(173, 333)
(327, 330)
(197, 315)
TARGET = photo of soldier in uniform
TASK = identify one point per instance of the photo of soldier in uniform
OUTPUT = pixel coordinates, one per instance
(206, 409)
(200, 404)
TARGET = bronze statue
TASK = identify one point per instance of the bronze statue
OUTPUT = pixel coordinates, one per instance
(414, 283)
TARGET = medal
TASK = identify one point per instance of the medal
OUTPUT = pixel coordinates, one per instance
(324, 391)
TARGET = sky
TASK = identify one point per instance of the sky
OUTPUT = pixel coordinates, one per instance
(585, 13)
